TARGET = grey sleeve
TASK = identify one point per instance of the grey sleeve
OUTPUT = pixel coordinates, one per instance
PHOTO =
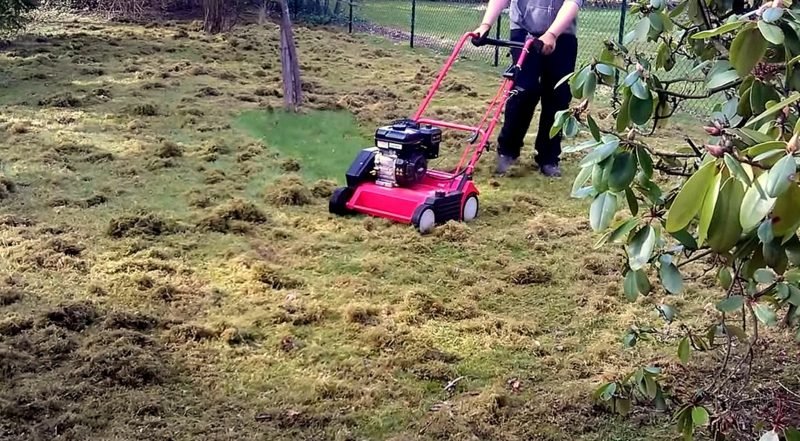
(578, 2)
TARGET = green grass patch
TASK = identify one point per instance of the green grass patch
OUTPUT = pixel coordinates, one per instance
(323, 142)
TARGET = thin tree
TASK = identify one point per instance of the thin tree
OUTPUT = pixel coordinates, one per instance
(292, 88)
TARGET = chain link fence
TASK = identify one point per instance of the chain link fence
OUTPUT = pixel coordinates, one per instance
(437, 25)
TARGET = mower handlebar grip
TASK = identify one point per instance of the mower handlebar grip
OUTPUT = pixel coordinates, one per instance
(483, 40)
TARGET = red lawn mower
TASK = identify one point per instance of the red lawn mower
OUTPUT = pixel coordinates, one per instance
(392, 180)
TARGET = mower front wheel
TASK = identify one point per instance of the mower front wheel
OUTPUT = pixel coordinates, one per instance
(470, 210)
(424, 219)
(338, 202)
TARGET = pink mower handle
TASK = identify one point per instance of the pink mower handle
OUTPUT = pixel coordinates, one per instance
(483, 131)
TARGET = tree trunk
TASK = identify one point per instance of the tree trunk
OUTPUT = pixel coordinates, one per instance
(214, 16)
(337, 7)
(292, 89)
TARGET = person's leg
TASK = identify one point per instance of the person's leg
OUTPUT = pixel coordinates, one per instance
(520, 106)
(555, 67)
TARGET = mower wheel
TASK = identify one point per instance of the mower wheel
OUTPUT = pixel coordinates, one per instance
(470, 210)
(338, 202)
(424, 219)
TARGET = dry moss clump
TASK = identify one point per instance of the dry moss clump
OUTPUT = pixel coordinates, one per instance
(225, 218)
(291, 165)
(169, 149)
(10, 296)
(531, 275)
(273, 277)
(62, 100)
(323, 188)
(146, 109)
(73, 316)
(367, 315)
(289, 190)
(142, 224)
(7, 187)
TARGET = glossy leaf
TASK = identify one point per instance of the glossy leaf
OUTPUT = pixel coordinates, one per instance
(764, 276)
(747, 49)
(581, 179)
(630, 286)
(640, 249)
(699, 416)
(671, 278)
(724, 29)
(641, 109)
(755, 206)
(633, 203)
(770, 436)
(622, 171)
(622, 231)
(601, 152)
(781, 176)
(667, 312)
(589, 86)
(765, 314)
(593, 128)
(725, 277)
(707, 210)
(771, 33)
(686, 205)
(725, 228)
(771, 15)
(684, 350)
(737, 170)
(731, 304)
(772, 110)
(722, 79)
(603, 210)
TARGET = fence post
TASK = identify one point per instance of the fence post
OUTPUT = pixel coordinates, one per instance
(497, 36)
(350, 20)
(413, 20)
(622, 11)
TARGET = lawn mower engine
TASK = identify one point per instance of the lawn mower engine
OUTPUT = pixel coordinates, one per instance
(403, 151)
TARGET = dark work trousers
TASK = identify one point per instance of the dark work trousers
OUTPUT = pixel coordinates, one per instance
(537, 81)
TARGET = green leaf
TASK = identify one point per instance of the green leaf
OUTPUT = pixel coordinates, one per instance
(623, 230)
(724, 29)
(764, 276)
(581, 179)
(767, 155)
(736, 332)
(793, 98)
(639, 90)
(765, 147)
(630, 286)
(633, 203)
(623, 406)
(765, 314)
(641, 31)
(771, 33)
(643, 283)
(604, 69)
(668, 312)
(731, 304)
(606, 391)
(746, 51)
(645, 161)
(603, 210)
(737, 170)
(601, 153)
(771, 15)
(577, 81)
(624, 115)
(684, 350)
(685, 239)
(589, 86)
(687, 204)
(560, 120)
(792, 276)
(593, 127)
(622, 171)
(722, 79)
(641, 109)
(699, 416)
(725, 229)
(640, 250)
(671, 278)
(630, 339)
(765, 232)
(791, 434)
(755, 207)
(725, 278)
(570, 127)
(781, 176)
(707, 209)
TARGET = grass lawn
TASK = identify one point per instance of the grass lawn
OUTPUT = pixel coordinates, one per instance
(169, 269)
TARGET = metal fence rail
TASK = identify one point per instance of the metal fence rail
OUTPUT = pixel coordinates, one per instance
(436, 25)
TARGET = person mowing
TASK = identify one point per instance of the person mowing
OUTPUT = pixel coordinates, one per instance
(554, 22)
